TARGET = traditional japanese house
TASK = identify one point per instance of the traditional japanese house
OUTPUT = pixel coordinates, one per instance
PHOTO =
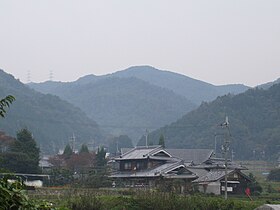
(151, 167)
(211, 177)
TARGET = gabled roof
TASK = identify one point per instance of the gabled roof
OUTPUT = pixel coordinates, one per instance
(125, 150)
(198, 171)
(212, 176)
(219, 163)
(164, 170)
(197, 156)
(216, 175)
(144, 152)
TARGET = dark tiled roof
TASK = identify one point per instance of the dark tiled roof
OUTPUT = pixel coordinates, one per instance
(161, 170)
(125, 150)
(142, 153)
(198, 171)
(197, 156)
(213, 176)
(219, 163)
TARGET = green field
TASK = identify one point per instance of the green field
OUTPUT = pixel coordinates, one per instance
(119, 199)
(124, 199)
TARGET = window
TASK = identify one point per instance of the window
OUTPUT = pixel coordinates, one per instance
(127, 166)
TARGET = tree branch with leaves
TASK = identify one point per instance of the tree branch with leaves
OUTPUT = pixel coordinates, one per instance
(5, 103)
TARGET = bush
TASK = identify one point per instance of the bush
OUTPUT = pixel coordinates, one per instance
(12, 196)
(254, 186)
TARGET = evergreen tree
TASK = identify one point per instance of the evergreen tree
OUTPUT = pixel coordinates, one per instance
(100, 157)
(116, 143)
(26, 153)
(67, 151)
(161, 141)
(84, 149)
(98, 177)
(254, 186)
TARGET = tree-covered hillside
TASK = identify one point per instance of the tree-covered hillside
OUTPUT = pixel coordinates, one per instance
(129, 101)
(194, 90)
(254, 118)
(51, 120)
(125, 105)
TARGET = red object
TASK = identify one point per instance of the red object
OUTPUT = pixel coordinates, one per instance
(248, 191)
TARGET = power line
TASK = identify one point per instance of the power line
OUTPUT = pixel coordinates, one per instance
(28, 77)
(51, 75)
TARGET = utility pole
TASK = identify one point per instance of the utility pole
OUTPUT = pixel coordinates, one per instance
(226, 148)
(117, 147)
(73, 139)
(147, 133)
(215, 143)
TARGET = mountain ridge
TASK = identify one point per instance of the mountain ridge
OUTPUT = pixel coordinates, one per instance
(181, 92)
(254, 118)
(125, 105)
(50, 119)
(194, 90)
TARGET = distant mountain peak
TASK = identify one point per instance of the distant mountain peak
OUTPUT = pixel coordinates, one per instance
(87, 79)
(193, 89)
(142, 68)
(145, 69)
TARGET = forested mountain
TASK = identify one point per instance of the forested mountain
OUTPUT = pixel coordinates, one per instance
(123, 105)
(51, 120)
(129, 101)
(269, 84)
(254, 118)
(194, 90)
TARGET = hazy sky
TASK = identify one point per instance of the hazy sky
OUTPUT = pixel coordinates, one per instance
(218, 41)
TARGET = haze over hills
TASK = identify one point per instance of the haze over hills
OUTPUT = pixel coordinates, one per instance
(254, 118)
(51, 120)
(136, 99)
(194, 90)
(124, 105)
(129, 105)
(269, 84)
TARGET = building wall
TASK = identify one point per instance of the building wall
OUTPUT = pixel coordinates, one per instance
(212, 187)
(138, 165)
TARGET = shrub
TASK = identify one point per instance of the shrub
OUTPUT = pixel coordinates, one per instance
(12, 196)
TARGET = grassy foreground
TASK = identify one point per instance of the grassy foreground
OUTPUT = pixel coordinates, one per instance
(81, 199)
